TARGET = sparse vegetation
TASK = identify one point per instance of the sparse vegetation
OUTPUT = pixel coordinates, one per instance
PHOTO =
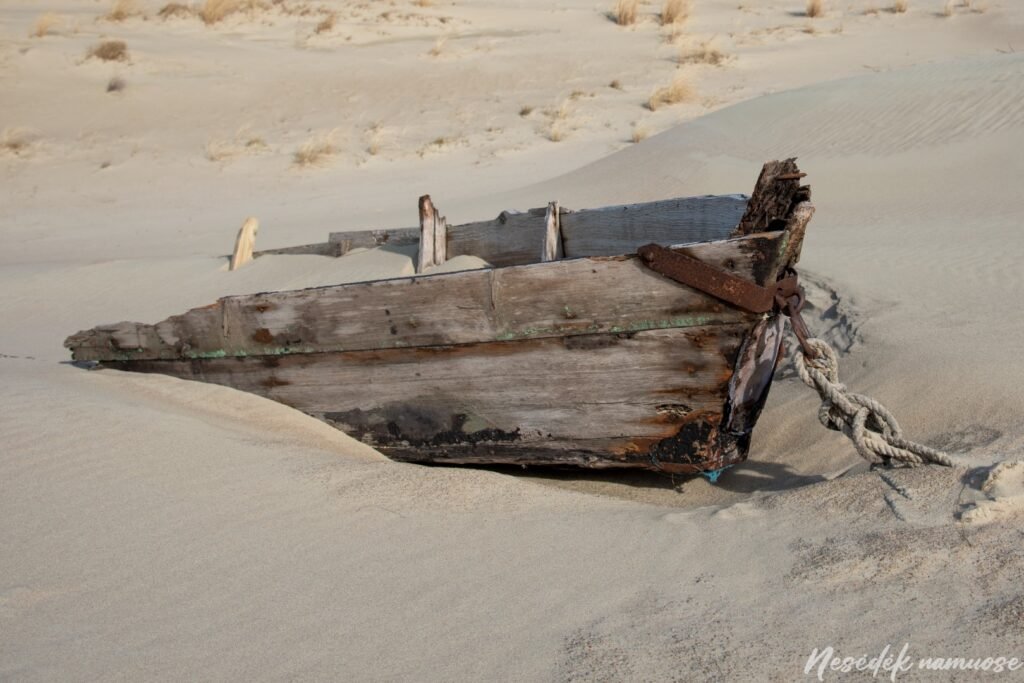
(639, 133)
(949, 8)
(16, 141)
(116, 84)
(815, 8)
(526, 111)
(438, 47)
(705, 53)
(123, 9)
(675, 12)
(45, 25)
(109, 51)
(214, 11)
(625, 11)
(615, 84)
(680, 90)
(373, 133)
(315, 151)
(326, 24)
(174, 10)
(899, 6)
(556, 132)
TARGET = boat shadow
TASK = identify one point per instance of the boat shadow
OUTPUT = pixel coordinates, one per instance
(746, 478)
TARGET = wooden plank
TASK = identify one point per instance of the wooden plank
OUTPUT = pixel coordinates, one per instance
(622, 229)
(425, 258)
(568, 297)
(599, 400)
(552, 249)
(317, 249)
(512, 238)
(773, 198)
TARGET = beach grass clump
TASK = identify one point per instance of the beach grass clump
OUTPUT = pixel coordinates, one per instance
(625, 12)
(679, 90)
(705, 53)
(214, 11)
(175, 10)
(123, 9)
(675, 12)
(45, 25)
(16, 141)
(316, 151)
(109, 51)
(815, 8)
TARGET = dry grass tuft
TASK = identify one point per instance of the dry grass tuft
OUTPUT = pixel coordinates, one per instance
(116, 84)
(438, 48)
(556, 132)
(624, 13)
(373, 134)
(639, 133)
(949, 9)
(214, 11)
(615, 84)
(706, 53)
(680, 90)
(326, 24)
(423, 3)
(315, 151)
(109, 51)
(45, 25)
(899, 6)
(175, 10)
(675, 12)
(526, 111)
(16, 141)
(815, 8)
(123, 9)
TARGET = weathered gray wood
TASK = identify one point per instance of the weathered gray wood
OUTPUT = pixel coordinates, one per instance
(512, 238)
(317, 249)
(425, 258)
(772, 200)
(552, 250)
(440, 239)
(367, 239)
(598, 400)
(568, 297)
(621, 229)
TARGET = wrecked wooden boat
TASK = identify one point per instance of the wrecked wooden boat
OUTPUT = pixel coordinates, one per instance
(571, 350)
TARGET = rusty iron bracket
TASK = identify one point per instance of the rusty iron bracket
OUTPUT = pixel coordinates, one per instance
(785, 296)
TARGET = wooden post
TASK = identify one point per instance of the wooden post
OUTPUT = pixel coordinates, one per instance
(440, 239)
(433, 236)
(772, 198)
(427, 217)
(553, 234)
(244, 244)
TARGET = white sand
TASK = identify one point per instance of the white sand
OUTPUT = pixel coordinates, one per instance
(158, 529)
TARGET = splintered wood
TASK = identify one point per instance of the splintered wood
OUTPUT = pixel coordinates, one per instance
(244, 244)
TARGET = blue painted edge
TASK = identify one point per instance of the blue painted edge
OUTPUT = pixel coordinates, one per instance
(713, 475)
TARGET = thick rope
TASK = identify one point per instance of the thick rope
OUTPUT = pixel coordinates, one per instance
(872, 428)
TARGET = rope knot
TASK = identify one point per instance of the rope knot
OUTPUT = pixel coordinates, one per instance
(873, 430)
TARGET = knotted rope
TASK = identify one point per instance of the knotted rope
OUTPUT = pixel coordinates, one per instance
(872, 428)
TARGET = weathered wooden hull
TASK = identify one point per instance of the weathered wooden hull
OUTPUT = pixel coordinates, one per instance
(593, 361)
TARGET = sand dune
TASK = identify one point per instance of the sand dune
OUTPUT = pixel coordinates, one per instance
(160, 529)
